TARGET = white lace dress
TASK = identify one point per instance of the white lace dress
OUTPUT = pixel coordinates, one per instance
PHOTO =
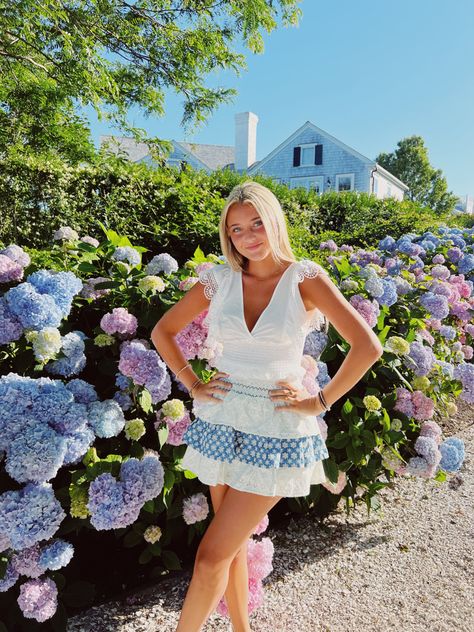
(246, 440)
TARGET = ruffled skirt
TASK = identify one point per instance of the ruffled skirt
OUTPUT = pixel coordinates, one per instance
(248, 444)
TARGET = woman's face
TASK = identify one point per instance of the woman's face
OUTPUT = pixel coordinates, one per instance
(247, 232)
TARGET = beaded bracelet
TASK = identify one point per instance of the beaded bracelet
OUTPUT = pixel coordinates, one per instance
(182, 369)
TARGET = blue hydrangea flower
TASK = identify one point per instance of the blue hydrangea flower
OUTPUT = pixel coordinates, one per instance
(77, 445)
(162, 263)
(389, 296)
(10, 578)
(435, 304)
(35, 454)
(466, 264)
(124, 400)
(128, 254)
(452, 451)
(106, 418)
(315, 343)
(30, 515)
(74, 359)
(55, 555)
(387, 243)
(84, 393)
(10, 327)
(447, 332)
(61, 286)
(420, 358)
(32, 309)
(374, 286)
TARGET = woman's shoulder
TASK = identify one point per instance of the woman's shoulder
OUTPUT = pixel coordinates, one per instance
(307, 268)
(213, 277)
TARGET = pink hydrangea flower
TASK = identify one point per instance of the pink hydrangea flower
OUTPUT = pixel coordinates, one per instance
(119, 321)
(195, 508)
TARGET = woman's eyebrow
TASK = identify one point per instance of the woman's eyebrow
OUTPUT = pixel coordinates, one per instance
(250, 220)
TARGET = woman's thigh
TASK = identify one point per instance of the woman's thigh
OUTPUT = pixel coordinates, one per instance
(237, 516)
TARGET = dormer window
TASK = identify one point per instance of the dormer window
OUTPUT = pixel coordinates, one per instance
(307, 155)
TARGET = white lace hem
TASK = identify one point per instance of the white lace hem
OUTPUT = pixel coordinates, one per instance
(287, 482)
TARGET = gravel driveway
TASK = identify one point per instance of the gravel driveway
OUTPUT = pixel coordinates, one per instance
(408, 568)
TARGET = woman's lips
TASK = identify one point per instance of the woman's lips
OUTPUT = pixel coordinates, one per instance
(253, 247)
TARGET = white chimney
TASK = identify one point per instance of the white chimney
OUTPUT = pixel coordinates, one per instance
(245, 140)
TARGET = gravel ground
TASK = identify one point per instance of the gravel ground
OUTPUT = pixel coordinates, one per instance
(408, 568)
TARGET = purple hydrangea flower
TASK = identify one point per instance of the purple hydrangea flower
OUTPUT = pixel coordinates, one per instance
(114, 504)
(9, 270)
(10, 326)
(38, 599)
(420, 358)
(16, 254)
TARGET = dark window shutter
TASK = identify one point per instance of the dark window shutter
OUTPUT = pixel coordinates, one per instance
(296, 156)
(318, 155)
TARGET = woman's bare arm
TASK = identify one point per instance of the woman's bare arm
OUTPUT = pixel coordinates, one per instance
(171, 323)
(365, 347)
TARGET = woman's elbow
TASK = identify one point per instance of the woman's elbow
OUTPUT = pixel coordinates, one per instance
(370, 346)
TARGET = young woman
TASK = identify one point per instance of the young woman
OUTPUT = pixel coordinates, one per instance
(255, 437)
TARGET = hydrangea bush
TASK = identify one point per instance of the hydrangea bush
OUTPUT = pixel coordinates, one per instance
(92, 420)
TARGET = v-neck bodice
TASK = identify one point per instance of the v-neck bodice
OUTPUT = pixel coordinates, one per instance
(268, 305)
(273, 350)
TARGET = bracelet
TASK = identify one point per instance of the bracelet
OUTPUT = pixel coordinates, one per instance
(323, 401)
(182, 369)
(195, 384)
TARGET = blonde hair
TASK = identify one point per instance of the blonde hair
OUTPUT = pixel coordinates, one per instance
(268, 207)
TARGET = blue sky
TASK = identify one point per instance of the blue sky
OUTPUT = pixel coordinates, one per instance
(368, 73)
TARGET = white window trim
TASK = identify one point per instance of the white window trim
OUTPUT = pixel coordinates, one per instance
(345, 175)
(306, 146)
(307, 180)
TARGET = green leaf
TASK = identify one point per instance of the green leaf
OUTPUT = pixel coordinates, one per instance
(163, 435)
(171, 560)
(145, 401)
(145, 556)
(331, 470)
(132, 539)
(87, 267)
(340, 440)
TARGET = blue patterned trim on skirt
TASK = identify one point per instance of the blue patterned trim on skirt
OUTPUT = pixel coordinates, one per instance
(225, 443)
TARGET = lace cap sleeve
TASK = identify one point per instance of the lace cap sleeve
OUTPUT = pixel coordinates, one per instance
(308, 268)
(211, 279)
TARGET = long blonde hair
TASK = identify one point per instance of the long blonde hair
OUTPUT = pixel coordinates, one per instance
(268, 207)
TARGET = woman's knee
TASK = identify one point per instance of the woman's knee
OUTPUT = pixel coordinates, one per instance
(210, 559)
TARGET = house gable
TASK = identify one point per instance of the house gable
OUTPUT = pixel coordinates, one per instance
(178, 154)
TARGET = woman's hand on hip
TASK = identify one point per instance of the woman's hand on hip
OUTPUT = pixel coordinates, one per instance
(294, 399)
(211, 391)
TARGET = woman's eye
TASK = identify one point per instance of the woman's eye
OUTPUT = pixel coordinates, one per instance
(257, 222)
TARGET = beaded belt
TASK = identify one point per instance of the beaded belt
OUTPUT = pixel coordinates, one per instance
(249, 389)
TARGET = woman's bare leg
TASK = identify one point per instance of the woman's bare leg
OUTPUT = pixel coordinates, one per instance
(228, 531)
(237, 591)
